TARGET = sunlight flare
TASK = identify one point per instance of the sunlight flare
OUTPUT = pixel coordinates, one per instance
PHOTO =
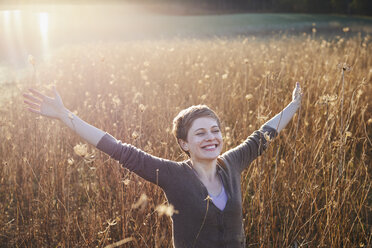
(43, 18)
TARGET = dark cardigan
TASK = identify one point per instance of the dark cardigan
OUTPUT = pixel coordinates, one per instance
(198, 222)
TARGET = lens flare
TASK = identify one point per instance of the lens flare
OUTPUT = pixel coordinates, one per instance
(43, 27)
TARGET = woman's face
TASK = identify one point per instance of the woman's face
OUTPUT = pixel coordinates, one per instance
(204, 140)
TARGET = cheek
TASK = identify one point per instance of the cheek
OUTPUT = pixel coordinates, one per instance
(193, 141)
(221, 141)
(198, 142)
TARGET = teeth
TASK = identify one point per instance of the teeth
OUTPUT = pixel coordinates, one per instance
(210, 147)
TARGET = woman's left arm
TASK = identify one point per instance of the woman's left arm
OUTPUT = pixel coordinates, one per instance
(242, 155)
(279, 121)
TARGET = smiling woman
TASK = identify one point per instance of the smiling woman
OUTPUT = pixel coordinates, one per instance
(205, 190)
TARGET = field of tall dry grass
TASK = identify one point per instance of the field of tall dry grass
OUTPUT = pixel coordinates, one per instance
(311, 188)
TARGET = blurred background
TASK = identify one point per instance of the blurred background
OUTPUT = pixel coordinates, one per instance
(40, 27)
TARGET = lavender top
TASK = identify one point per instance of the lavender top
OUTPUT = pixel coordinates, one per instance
(199, 222)
(220, 199)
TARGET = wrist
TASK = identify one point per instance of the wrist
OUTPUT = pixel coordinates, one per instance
(296, 103)
(65, 114)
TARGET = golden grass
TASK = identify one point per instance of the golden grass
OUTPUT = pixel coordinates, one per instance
(293, 194)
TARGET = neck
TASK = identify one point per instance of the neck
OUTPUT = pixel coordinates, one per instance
(206, 170)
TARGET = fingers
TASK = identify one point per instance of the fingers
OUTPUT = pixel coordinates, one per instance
(34, 111)
(32, 105)
(34, 108)
(33, 99)
(298, 88)
(297, 93)
(37, 93)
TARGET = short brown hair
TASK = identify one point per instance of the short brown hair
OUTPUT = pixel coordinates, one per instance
(183, 121)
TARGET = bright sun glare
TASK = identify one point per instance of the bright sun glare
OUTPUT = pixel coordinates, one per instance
(23, 31)
(43, 24)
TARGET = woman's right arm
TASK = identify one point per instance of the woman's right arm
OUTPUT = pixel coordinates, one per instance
(156, 170)
(53, 108)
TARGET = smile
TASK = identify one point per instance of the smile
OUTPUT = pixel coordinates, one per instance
(210, 147)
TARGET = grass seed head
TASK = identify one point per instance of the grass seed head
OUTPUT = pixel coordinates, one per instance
(167, 210)
(81, 149)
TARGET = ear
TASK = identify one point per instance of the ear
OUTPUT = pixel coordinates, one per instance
(183, 144)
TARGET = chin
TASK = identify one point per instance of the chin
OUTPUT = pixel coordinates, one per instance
(212, 156)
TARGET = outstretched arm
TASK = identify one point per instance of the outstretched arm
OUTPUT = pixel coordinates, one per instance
(156, 170)
(279, 121)
(53, 108)
(242, 155)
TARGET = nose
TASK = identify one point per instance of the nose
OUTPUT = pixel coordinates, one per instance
(209, 136)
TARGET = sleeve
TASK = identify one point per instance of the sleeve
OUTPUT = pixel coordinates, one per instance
(243, 155)
(151, 168)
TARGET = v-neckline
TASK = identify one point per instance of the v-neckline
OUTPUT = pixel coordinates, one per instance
(204, 188)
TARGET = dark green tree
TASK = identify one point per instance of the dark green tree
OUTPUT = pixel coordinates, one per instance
(341, 6)
(361, 7)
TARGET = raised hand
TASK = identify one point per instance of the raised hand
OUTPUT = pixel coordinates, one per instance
(297, 93)
(41, 104)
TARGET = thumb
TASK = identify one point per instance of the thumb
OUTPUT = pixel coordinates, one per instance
(55, 91)
(56, 94)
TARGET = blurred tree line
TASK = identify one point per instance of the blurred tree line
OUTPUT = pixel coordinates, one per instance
(353, 7)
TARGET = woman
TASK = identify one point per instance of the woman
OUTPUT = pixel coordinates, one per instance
(205, 189)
